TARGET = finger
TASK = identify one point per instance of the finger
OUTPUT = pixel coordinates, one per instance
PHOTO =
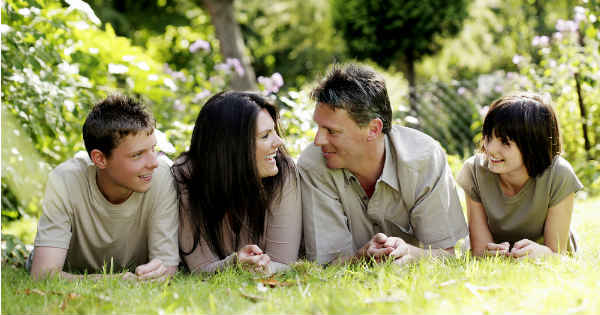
(380, 238)
(249, 260)
(393, 242)
(156, 273)
(521, 252)
(522, 243)
(252, 249)
(264, 260)
(379, 252)
(149, 267)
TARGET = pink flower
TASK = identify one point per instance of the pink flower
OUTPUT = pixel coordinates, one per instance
(199, 44)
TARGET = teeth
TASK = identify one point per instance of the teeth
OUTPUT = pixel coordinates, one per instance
(271, 156)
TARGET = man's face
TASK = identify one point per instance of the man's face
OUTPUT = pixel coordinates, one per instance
(130, 166)
(342, 141)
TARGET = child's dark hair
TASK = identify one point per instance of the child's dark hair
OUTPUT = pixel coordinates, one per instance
(528, 121)
(111, 120)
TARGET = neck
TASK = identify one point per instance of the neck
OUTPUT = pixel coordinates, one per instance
(513, 182)
(369, 169)
(114, 194)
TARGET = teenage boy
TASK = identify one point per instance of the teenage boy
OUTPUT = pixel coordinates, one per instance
(370, 189)
(114, 207)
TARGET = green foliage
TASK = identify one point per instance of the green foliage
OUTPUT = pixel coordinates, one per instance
(14, 252)
(293, 37)
(387, 31)
(568, 59)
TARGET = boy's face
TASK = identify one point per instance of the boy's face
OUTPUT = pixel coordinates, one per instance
(129, 168)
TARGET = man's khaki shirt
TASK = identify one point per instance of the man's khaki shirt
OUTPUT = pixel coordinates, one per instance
(414, 199)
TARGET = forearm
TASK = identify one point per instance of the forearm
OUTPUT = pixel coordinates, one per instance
(215, 266)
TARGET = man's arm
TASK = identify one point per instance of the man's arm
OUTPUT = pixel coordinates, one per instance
(326, 233)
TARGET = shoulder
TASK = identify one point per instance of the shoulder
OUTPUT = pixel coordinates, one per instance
(311, 158)
(72, 171)
(560, 166)
(415, 149)
(162, 177)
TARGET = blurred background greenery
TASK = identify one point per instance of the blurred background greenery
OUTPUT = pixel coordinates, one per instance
(444, 62)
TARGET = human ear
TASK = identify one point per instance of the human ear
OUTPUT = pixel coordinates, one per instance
(375, 128)
(98, 158)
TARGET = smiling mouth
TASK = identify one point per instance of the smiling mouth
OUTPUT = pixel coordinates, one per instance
(494, 160)
(271, 157)
(146, 178)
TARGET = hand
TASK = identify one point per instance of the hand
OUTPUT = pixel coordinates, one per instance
(494, 249)
(376, 247)
(526, 248)
(154, 270)
(252, 258)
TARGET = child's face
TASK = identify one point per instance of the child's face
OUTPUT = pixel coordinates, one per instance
(503, 157)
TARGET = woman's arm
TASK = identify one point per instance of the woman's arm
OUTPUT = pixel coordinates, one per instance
(478, 227)
(284, 225)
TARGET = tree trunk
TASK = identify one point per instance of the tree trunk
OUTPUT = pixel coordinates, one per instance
(583, 111)
(411, 77)
(231, 42)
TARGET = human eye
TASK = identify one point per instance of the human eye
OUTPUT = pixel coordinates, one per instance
(331, 131)
(265, 135)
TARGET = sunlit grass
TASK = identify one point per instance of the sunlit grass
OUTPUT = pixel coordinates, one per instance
(558, 285)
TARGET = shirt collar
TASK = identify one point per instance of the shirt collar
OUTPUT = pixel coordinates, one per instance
(389, 174)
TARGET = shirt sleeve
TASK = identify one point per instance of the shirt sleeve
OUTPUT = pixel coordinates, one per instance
(564, 181)
(326, 232)
(201, 259)
(164, 223)
(466, 179)
(437, 217)
(284, 227)
(54, 226)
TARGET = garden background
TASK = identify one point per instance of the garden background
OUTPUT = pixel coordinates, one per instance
(444, 62)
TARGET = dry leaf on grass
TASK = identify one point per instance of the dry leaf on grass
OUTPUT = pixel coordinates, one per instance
(251, 297)
(275, 283)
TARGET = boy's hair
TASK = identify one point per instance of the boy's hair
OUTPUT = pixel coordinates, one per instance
(357, 89)
(528, 121)
(113, 119)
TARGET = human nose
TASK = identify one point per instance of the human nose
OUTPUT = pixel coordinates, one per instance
(152, 161)
(320, 138)
(277, 141)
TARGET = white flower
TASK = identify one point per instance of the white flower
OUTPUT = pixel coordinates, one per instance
(117, 68)
(170, 84)
(162, 142)
(85, 8)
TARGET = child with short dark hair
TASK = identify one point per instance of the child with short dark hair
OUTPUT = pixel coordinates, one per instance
(519, 190)
(115, 205)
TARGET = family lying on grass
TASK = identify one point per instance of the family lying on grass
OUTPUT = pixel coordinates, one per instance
(363, 189)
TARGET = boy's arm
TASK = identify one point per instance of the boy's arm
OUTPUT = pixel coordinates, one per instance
(48, 261)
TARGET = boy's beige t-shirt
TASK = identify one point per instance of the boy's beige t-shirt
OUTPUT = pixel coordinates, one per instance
(77, 217)
(523, 215)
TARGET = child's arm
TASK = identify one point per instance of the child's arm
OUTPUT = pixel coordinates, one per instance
(556, 232)
(478, 228)
(558, 224)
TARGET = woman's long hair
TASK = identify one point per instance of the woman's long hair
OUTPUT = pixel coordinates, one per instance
(218, 174)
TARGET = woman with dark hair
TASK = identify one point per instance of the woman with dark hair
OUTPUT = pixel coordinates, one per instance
(519, 190)
(238, 191)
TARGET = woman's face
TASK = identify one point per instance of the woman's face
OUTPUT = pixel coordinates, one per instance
(267, 142)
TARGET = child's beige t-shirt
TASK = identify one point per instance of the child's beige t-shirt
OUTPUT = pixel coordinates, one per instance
(523, 215)
(77, 217)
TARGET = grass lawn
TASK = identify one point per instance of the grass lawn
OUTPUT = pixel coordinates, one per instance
(463, 285)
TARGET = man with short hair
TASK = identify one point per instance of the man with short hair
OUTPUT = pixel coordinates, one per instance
(370, 189)
(114, 207)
